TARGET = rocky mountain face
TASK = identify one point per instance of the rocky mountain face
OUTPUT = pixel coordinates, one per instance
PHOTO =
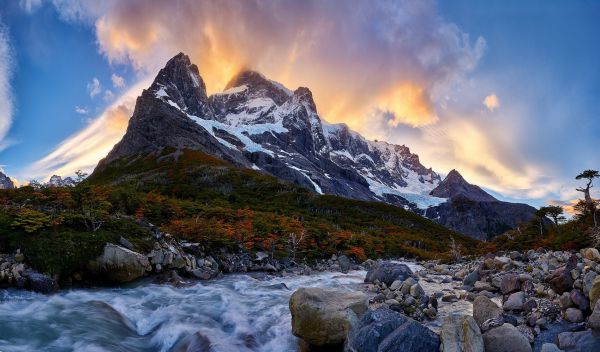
(6, 182)
(474, 212)
(58, 181)
(258, 123)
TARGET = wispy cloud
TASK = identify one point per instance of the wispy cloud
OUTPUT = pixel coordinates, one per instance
(84, 149)
(108, 95)
(117, 81)
(491, 102)
(6, 96)
(81, 110)
(30, 6)
(94, 87)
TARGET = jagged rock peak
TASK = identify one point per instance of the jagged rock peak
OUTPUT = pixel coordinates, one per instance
(455, 186)
(259, 86)
(6, 182)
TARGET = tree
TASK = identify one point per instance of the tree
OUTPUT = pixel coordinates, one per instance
(541, 214)
(294, 241)
(589, 175)
(555, 212)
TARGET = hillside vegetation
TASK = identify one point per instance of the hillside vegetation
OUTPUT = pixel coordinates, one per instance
(203, 199)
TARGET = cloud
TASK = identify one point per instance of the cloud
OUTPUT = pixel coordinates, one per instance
(117, 81)
(81, 110)
(84, 149)
(491, 102)
(6, 95)
(108, 95)
(30, 6)
(94, 87)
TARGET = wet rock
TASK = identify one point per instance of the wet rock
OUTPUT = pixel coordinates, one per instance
(388, 272)
(194, 343)
(460, 333)
(324, 316)
(383, 330)
(484, 309)
(505, 338)
(120, 264)
(41, 283)
(345, 263)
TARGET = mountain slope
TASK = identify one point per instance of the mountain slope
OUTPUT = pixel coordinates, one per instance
(472, 211)
(6, 182)
(258, 123)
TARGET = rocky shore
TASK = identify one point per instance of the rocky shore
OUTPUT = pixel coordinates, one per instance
(533, 301)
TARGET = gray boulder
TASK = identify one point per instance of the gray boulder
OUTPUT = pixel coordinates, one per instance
(505, 338)
(41, 283)
(119, 264)
(484, 309)
(324, 316)
(460, 333)
(388, 272)
(581, 341)
(594, 319)
(550, 347)
(383, 330)
(515, 301)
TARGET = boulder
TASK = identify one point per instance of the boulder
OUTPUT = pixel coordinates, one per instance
(594, 319)
(510, 283)
(515, 301)
(388, 272)
(591, 254)
(484, 309)
(588, 280)
(579, 300)
(345, 263)
(505, 338)
(595, 291)
(580, 341)
(41, 283)
(471, 278)
(573, 315)
(324, 316)
(460, 333)
(383, 330)
(550, 347)
(120, 264)
(561, 280)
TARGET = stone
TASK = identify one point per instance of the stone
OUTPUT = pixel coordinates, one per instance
(529, 305)
(580, 341)
(550, 347)
(383, 330)
(460, 333)
(505, 338)
(471, 278)
(388, 272)
(560, 280)
(573, 315)
(579, 300)
(395, 285)
(202, 274)
(483, 286)
(260, 256)
(594, 319)
(119, 264)
(324, 317)
(591, 254)
(484, 309)
(510, 283)
(515, 302)
(416, 291)
(41, 283)
(595, 291)
(345, 263)
(565, 300)
(588, 280)
(125, 243)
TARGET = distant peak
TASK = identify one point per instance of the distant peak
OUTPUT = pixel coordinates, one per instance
(455, 186)
(247, 77)
(453, 174)
(259, 85)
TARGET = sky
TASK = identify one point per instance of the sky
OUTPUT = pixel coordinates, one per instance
(506, 92)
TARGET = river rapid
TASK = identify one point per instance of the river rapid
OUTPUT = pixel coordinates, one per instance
(235, 313)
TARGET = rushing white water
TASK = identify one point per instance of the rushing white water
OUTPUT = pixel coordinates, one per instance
(236, 313)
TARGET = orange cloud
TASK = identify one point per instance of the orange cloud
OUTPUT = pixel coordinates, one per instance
(409, 105)
(491, 102)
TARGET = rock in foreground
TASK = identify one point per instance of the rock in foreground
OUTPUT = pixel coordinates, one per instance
(460, 333)
(323, 317)
(383, 330)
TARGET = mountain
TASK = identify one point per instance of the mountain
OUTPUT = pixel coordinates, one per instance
(6, 182)
(58, 181)
(472, 211)
(260, 124)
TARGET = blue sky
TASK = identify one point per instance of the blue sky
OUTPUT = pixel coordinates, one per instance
(506, 92)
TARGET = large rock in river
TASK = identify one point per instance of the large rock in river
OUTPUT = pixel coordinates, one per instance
(120, 264)
(388, 272)
(384, 330)
(460, 333)
(324, 316)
